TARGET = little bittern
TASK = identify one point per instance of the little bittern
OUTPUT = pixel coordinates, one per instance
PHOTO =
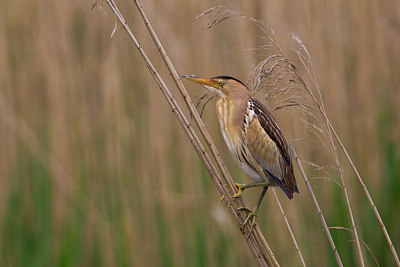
(253, 137)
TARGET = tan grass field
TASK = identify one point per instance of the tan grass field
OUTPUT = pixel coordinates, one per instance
(95, 170)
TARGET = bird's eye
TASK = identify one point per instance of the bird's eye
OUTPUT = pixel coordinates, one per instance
(221, 83)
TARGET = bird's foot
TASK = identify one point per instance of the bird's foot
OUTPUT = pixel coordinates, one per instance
(241, 188)
(245, 209)
(251, 218)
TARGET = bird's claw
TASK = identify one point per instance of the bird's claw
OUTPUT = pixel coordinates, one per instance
(251, 217)
(245, 209)
(240, 188)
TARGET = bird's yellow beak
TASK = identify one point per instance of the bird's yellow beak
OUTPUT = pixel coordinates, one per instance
(203, 81)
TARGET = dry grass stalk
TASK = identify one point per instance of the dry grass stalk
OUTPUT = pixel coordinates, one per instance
(362, 242)
(315, 201)
(256, 240)
(306, 60)
(289, 228)
(364, 187)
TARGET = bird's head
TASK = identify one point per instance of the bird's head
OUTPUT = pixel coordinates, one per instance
(223, 86)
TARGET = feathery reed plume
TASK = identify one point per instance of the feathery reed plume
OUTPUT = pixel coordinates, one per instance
(218, 14)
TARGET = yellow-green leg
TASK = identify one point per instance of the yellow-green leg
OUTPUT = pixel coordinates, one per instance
(253, 213)
(242, 187)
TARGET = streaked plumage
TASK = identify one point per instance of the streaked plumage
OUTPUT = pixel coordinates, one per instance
(252, 135)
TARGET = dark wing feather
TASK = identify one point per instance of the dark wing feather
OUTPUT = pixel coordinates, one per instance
(287, 182)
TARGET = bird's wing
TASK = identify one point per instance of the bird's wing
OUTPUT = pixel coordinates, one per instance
(269, 148)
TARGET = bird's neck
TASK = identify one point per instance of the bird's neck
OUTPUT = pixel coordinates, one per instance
(231, 112)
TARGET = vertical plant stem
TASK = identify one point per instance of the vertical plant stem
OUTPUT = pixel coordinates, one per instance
(321, 107)
(346, 194)
(353, 223)
(364, 187)
(289, 228)
(331, 130)
(321, 215)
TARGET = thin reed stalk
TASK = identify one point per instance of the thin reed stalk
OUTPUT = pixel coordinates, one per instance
(321, 215)
(329, 137)
(289, 228)
(307, 63)
(256, 241)
(366, 192)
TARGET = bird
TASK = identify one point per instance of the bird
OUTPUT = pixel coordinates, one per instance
(253, 137)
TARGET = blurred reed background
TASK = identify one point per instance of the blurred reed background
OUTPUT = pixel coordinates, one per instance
(95, 170)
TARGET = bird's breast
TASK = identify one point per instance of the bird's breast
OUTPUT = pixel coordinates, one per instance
(231, 115)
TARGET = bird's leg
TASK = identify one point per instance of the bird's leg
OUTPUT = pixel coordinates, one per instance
(242, 187)
(253, 213)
